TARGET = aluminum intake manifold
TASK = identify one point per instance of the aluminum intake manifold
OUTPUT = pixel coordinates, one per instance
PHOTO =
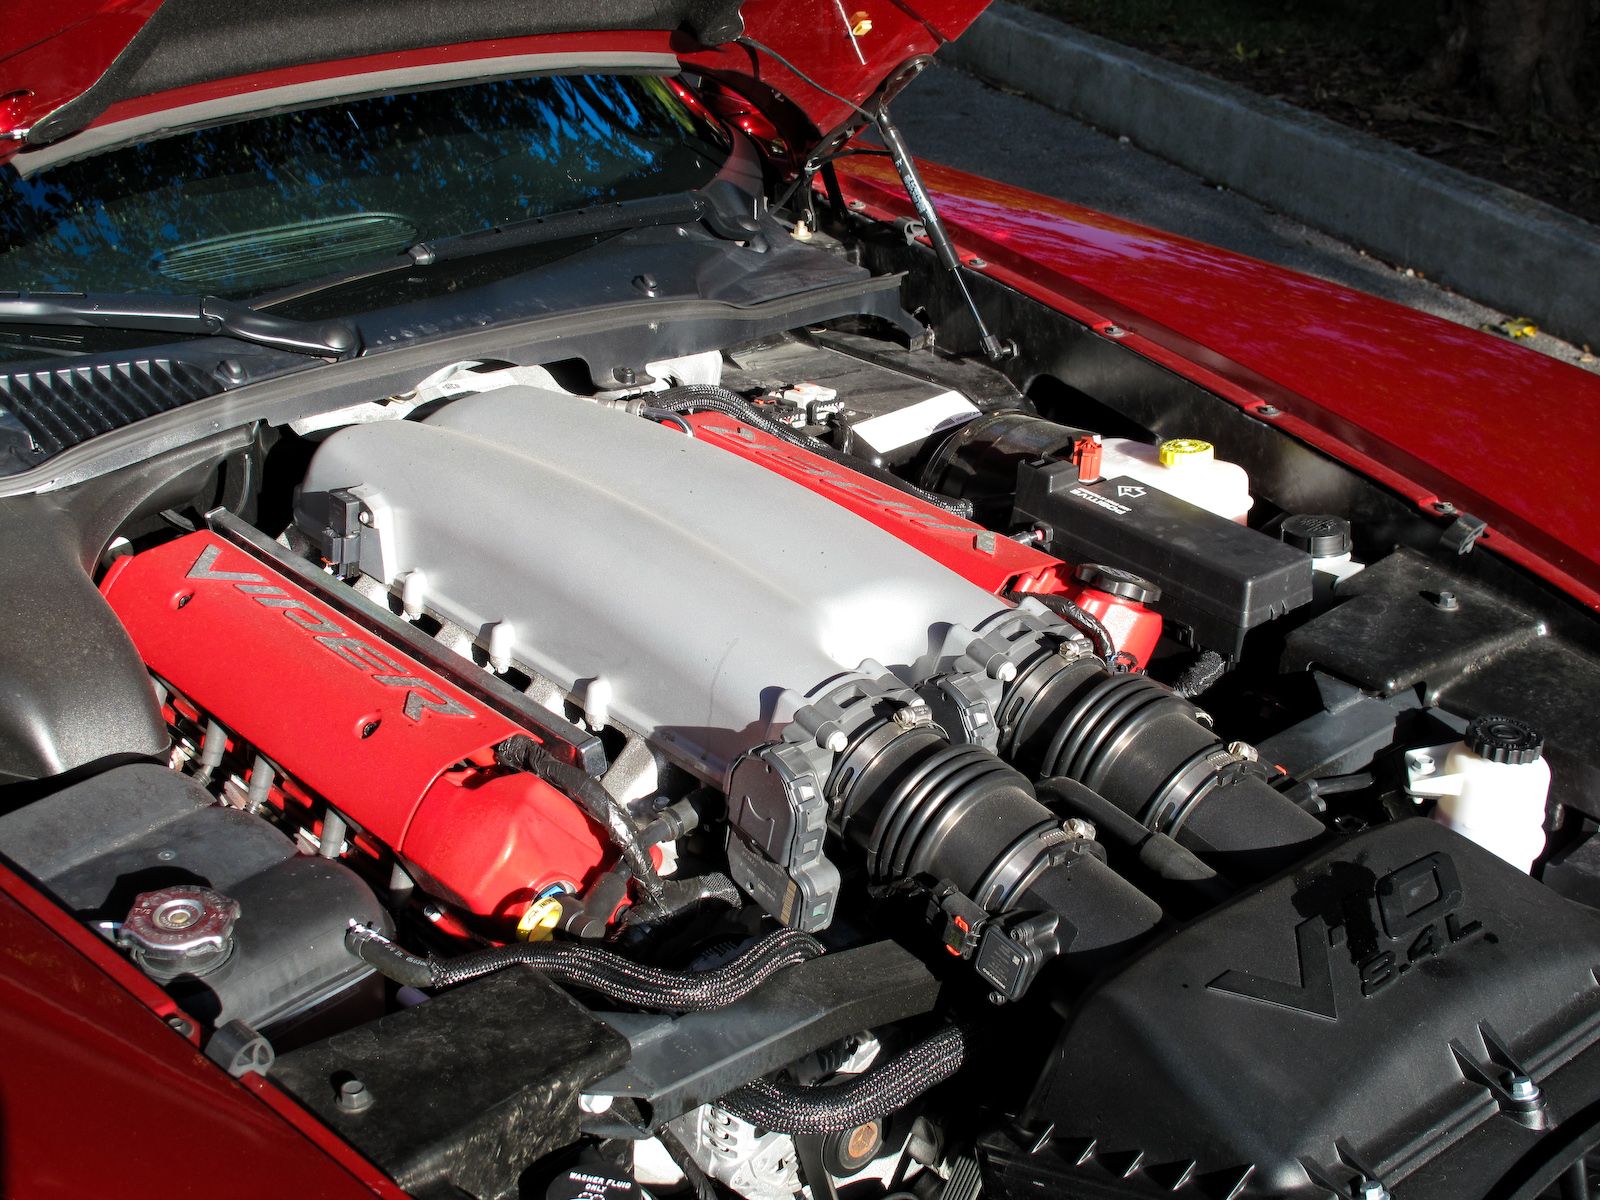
(666, 584)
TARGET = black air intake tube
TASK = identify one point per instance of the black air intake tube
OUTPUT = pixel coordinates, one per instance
(956, 816)
(1146, 750)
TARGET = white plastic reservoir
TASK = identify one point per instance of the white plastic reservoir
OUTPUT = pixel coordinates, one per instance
(1183, 467)
(1491, 786)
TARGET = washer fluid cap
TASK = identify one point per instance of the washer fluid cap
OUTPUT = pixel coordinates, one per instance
(1183, 452)
(1504, 740)
(1319, 534)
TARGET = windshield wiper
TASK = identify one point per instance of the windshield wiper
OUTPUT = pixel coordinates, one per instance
(204, 316)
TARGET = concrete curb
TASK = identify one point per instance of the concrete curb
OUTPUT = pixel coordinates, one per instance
(1488, 242)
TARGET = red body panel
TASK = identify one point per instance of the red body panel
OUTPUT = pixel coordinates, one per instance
(55, 58)
(99, 1098)
(996, 564)
(357, 723)
(1431, 409)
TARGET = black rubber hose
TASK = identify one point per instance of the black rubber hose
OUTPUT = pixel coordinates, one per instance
(1086, 622)
(1145, 749)
(522, 753)
(596, 970)
(791, 1108)
(707, 397)
(659, 897)
(680, 894)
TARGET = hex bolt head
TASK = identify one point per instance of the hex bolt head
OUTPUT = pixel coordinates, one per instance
(1522, 1089)
(1371, 1189)
(1446, 601)
(353, 1096)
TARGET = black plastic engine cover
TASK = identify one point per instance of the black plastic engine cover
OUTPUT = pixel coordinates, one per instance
(1357, 1018)
(463, 1093)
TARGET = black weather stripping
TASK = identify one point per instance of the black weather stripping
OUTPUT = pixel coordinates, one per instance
(202, 316)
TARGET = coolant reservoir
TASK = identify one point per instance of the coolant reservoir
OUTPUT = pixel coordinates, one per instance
(1183, 467)
(1491, 786)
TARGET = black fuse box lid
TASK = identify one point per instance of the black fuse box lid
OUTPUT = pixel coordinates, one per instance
(1217, 578)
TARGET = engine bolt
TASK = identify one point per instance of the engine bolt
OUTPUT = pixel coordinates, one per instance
(353, 1096)
(1243, 751)
(1078, 829)
(1522, 1089)
(1371, 1189)
(1446, 602)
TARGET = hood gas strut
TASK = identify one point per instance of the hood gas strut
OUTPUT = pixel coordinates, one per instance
(894, 142)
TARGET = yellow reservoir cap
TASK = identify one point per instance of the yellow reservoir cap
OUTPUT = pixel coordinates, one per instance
(1183, 451)
(540, 920)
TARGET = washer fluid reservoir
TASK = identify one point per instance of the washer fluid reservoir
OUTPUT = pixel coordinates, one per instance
(1183, 467)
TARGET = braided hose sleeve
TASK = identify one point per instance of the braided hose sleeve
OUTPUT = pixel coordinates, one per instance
(706, 397)
(790, 1108)
(597, 970)
(1105, 645)
(522, 753)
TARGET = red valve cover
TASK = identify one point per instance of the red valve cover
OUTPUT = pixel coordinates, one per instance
(403, 755)
(995, 563)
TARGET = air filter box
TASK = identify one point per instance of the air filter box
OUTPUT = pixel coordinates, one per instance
(1218, 579)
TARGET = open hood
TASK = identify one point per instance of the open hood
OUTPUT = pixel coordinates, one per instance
(82, 63)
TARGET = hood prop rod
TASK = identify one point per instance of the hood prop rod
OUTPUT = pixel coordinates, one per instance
(994, 348)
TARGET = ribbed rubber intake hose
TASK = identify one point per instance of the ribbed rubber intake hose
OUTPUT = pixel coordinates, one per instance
(924, 808)
(596, 970)
(706, 397)
(791, 1108)
(1145, 749)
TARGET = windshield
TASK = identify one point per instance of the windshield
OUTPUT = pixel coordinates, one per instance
(261, 204)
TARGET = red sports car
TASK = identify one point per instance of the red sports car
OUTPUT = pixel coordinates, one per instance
(579, 624)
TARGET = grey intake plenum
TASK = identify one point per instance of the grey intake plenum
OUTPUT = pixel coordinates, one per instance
(668, 584)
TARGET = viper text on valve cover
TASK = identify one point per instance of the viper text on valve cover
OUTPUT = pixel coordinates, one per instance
(580, 624)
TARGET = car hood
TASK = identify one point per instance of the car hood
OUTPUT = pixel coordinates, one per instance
(81, 63)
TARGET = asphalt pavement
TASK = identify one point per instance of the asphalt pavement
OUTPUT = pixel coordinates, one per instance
(951, 118)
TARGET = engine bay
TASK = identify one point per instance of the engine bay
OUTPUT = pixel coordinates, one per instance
(825, 763)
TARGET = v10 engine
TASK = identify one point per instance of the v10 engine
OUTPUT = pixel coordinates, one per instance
(833, 678)
(792, 774)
